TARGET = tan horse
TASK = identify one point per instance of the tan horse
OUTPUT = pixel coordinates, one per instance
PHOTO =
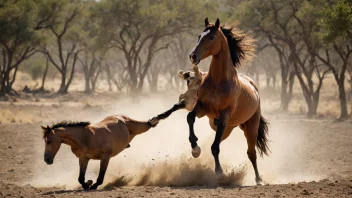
(226, 98)
(188, 99)
(99, 141)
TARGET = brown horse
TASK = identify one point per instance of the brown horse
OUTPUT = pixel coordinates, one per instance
(99, 141)
(226, 98)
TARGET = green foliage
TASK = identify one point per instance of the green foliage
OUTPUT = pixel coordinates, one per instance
(337, 21)
(17, 22)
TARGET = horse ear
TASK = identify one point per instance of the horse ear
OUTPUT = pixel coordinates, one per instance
(206, 22)
(217, 23)
(180, 74)
(44, 128)
(47, 127)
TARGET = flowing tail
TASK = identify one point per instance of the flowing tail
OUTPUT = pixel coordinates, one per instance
(262, 140)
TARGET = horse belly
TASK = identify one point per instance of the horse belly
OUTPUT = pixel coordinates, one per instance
(120, 137)
(246, 106)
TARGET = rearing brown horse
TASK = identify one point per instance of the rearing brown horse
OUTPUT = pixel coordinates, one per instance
(226, 98)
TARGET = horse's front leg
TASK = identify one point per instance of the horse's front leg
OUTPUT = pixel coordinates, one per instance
(191, 118)
(215, 147)
(83, 163)
(103, 166)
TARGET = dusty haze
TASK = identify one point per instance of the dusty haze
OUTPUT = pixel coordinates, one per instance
(161, 157)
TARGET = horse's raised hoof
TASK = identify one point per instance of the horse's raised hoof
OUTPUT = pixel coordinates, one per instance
(154, 121)
(196, 152)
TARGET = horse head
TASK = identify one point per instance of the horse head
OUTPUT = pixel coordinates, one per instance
(52, 144)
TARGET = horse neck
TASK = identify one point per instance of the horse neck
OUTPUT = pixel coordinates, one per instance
(71, 136)
(221, 67)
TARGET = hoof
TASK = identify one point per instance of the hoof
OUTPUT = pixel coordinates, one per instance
(89, 182)
(154, 121)
(93, 187)
(219, 171)
(259, 182)
(196, 152)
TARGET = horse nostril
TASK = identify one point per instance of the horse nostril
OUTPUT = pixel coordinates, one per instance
(194, 57)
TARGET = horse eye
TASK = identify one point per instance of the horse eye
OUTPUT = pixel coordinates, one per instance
(48, 142)
(212, 37)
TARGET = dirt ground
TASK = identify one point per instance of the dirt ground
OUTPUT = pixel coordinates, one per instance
(310, 158)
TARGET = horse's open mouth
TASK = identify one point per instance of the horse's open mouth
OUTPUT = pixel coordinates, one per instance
(195, 62)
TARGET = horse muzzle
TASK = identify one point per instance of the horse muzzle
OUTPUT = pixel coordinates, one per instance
(48, 159)
(194, 58)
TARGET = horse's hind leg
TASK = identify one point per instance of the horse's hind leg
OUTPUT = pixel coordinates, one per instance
(250, 129)
(83, 163)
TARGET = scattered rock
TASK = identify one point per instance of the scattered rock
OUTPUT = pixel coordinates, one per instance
(10, 147)
(305, 192)
(11, 170)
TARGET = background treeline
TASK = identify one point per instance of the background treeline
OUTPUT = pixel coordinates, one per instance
(133, 45)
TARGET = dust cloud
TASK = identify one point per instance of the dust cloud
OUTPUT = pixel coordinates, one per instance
(162, 156)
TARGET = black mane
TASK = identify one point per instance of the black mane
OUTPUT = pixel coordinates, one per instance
(236, 51)
(64, 124)
(69, 124)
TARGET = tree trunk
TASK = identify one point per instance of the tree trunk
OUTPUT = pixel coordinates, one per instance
(62, 89)
(87, 88)
(285, 100)
(108, 73)
(44, 75)
(342, 98)
(312, 108)
(286, 95)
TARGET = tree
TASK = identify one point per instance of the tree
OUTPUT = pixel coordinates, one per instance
(259, 16)
(292, 24)
(139, 28)
(60, 21)
(336, 33)
(18, 39)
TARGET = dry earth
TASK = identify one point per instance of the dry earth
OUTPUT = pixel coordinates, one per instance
(310, 158)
